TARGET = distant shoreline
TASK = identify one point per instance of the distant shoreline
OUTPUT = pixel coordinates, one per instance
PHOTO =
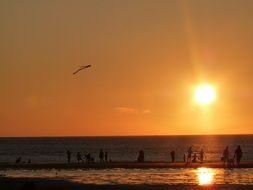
(125, 165)
(126, 136)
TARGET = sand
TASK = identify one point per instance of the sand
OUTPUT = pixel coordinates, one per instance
(53, 184)
(7, 183)
(127, 165)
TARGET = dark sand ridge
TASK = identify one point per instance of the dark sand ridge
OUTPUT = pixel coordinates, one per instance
(127, 165)
(55, 184)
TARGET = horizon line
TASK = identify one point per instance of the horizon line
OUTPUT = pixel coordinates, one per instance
(90, 136)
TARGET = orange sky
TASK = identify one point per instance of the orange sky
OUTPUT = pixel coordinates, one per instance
(146, 56)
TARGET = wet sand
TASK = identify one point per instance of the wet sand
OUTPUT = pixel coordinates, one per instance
(126, 165)
(53, 184)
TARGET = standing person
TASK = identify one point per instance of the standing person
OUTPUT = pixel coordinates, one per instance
(172, 154)
(141, 156)
(201, 155)
(225, 156)
(101, 156)
(238, 155)
(78, 157)
(189, 155)
(106, 157)
(184, 158)
(68, 155)
(88, 158)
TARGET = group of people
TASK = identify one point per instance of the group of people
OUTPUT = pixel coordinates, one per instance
(229, 161)
(87, 158)
(192, 157)
(189, 157)
(173, 156)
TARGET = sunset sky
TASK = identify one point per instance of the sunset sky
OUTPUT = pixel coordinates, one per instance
(147, 58)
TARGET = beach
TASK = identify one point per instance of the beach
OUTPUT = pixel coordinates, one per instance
(126, 175)
(44, 163)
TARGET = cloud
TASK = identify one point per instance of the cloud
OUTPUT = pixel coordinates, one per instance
(126, 110)
(147, 111)
(131, 110)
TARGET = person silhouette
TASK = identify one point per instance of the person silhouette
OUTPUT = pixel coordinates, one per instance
(106, 157)
(226, 156)
(88, 158)
(68, 155)
(172, 154)
(78, 157)
(238, 155)
(101, 156)
(141, 156)
(189, 155)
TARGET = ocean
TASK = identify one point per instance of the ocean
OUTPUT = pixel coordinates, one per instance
(156, 148)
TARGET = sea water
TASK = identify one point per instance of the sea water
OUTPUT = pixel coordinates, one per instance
(156, 148)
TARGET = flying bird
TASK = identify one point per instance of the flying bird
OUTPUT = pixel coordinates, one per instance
(81, 68)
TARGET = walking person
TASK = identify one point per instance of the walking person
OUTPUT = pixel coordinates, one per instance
(225, 156)
(238, 155)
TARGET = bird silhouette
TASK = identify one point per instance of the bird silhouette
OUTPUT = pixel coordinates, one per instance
(81, 68)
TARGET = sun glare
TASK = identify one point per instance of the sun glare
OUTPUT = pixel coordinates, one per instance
(205, 94)
(205, 176)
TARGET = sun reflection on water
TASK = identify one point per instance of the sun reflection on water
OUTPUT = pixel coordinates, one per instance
(186, 176)
(205, 176)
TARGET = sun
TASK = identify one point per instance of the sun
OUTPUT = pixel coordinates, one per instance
(205, 94)
(205, 176)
